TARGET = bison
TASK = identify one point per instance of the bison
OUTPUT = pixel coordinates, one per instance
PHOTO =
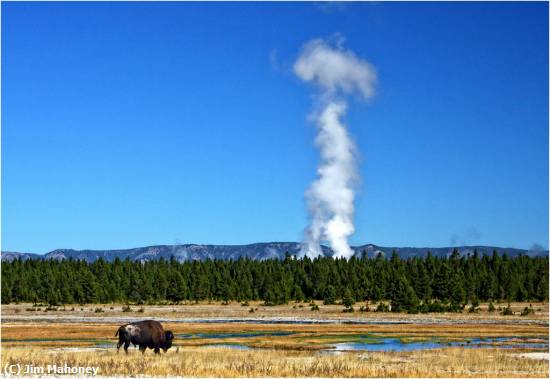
(145, 334)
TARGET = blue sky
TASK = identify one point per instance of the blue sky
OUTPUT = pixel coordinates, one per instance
(133, 124)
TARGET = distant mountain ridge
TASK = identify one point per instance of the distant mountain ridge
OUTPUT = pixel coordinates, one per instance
(258, 251)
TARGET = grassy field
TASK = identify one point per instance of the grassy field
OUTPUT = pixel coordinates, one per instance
(219, 362)
(237, 310)
(86, 338)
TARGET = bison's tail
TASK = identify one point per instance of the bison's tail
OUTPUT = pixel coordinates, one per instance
(116, 334)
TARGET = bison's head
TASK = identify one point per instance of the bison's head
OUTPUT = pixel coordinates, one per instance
(168, 337)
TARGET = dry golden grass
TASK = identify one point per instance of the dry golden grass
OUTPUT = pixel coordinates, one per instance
(219, 362)
(59, 330)
(235, 310)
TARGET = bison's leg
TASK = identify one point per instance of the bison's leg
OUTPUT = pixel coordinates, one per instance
(157, 350)
(142, 349)
(126, 345)
(120, 334)
(119, 344)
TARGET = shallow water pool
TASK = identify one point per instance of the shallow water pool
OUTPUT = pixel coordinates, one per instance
(395, 344)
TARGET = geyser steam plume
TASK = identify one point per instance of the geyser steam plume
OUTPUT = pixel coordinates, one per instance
(335, 72)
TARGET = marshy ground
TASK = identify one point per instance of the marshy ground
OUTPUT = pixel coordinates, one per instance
(288, 340)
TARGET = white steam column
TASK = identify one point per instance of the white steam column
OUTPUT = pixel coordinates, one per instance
(335, 72)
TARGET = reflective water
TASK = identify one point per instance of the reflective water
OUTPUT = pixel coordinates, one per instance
(356, 342)
(386, 344)
(395, 344)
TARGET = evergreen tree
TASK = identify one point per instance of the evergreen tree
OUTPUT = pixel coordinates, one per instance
(330, 295)
(347, 299)
(403, 296)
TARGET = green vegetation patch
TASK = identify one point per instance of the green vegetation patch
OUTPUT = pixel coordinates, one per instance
(416, 285)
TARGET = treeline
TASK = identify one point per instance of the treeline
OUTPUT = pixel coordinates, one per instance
(417, 284)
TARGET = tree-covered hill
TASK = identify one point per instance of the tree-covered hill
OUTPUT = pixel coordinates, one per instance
(258, 251)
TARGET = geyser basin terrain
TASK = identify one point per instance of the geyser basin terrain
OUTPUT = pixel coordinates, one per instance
(214, 348)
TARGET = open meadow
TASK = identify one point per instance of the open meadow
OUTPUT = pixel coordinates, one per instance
(215, 340)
